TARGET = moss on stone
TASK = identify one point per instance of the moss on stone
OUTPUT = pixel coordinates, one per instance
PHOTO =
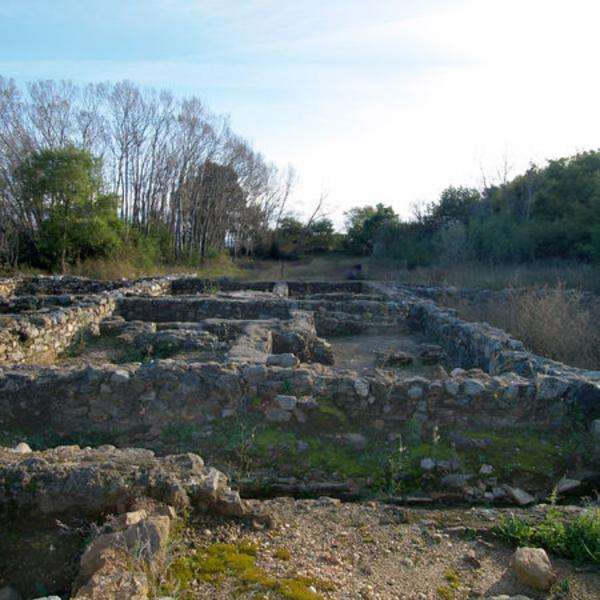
(237, 561)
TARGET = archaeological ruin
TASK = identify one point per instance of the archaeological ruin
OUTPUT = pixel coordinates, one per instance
(111, 391)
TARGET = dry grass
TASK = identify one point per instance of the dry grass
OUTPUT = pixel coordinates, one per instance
(551, 321)
(335, 266)
(571, 275)
(111, 269)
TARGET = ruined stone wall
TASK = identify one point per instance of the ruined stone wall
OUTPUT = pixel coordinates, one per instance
(478, 345)
(137, 402)
(66, 284)
(40, 336)
(195, 285)
(195, 309)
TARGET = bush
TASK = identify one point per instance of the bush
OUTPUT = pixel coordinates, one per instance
(575, 538)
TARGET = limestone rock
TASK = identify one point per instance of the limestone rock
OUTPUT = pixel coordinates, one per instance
(90, 482)
(566, 485)
(283, 360)
(519, 496)
(22, 448)
(532, 567)
(286, 402)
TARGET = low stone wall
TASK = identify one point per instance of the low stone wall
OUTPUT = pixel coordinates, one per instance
(335, 317)
(195, 285)
(40, 336)
(478, 345)
(170, 308)
(137, 402)
(66, 284)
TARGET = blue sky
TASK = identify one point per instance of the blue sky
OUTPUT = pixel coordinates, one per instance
(370, 100)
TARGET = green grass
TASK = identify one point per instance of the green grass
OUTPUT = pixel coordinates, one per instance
(577, 538)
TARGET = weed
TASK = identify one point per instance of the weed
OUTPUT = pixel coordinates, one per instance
(282, 554)
(577, 538)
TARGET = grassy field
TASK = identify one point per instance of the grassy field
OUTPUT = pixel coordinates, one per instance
(336, 266)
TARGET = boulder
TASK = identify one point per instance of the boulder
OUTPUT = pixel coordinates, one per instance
(533, 568)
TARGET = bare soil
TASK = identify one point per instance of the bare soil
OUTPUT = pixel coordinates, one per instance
(358, 352)
(373, 551)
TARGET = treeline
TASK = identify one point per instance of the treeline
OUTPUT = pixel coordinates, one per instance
(111, 168)
(550, 212)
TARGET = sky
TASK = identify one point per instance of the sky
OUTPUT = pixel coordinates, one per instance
(370, 100)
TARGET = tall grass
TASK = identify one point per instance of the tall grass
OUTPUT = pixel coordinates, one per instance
(476, 275)
(551, 321)
(118, 268)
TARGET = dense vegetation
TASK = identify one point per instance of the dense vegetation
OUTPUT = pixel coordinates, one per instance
(546, 213)
(113, 172)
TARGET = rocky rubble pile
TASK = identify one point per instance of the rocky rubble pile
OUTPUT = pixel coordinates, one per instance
(88, 481)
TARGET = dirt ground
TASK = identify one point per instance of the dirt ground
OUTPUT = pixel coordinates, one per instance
(371, 551)
(358, 352)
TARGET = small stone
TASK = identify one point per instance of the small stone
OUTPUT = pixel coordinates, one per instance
(286, 402)
(473, 387)
(457, 372)
(283, 360)
(361, 387)
(486, 470)
(277, 415)
(355, 440)
(455, 480)
(415, 393)
(532, 567)
(566, 485)
(519, 496)
(22, 448)
(302, 446)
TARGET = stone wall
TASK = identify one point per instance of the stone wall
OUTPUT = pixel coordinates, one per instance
(138, 401)
(478, 345)
(195, 285)
(44, 335)
(171, 308)
(39, 336)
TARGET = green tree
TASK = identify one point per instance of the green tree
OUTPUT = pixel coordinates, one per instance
(363, 225)
(71, 218)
